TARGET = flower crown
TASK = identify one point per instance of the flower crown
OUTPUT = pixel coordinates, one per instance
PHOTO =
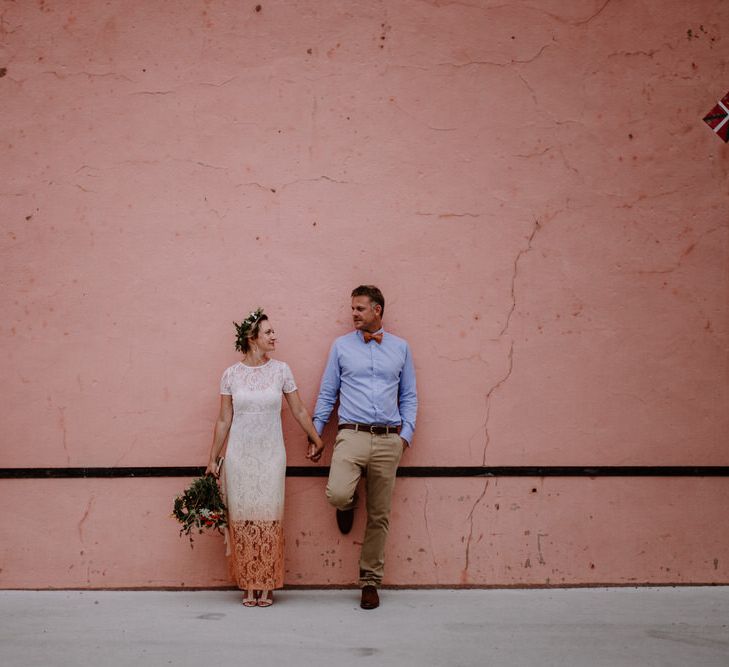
(245, 327)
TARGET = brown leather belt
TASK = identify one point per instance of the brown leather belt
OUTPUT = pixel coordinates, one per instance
(375, 429)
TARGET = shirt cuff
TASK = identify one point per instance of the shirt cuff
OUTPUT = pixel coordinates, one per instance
(318, 425)
(406, 433)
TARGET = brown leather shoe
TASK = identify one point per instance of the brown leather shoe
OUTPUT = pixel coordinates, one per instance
(370, 599)
(345, 519)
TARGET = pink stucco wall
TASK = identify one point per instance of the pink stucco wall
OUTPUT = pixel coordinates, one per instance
(530, 184)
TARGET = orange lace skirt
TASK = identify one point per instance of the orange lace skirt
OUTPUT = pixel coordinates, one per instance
(257, 554)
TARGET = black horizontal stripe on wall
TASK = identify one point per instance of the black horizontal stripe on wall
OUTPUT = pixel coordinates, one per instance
(404, 471)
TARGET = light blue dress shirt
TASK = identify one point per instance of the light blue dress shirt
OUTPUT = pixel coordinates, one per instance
(375, 383)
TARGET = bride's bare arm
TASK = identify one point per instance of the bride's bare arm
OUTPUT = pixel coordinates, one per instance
(316, 446)
(220, 433)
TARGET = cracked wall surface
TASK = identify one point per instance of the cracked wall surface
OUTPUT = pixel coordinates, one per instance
(530, 184)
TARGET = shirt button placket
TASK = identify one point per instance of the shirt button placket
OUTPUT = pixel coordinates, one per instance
(373, 348)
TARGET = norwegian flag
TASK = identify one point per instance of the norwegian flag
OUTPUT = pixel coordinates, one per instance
(718, 118)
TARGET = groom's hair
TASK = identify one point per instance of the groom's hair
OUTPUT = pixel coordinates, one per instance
(373, 293)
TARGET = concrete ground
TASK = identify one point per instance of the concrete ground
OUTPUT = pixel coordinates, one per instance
(562, 627)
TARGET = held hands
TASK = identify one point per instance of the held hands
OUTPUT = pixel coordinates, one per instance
(315, 449)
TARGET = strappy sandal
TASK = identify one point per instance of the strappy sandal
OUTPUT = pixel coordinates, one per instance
(266, 598)
(251, 598)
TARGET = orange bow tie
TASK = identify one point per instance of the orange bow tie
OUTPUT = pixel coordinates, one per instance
(375, 337)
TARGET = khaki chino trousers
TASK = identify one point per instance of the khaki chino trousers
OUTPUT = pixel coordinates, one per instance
(379, 455)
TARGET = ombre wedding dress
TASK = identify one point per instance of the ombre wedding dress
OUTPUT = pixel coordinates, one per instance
(254, 473)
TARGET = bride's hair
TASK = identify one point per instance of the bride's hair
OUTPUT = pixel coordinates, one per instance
(249, 329)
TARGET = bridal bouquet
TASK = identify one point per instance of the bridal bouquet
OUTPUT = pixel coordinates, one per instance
(200, 506)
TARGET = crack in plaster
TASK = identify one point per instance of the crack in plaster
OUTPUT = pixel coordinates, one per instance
(489, 394)
(64, 435)
(514, 276)
(447, 3)
(581, 22)
(313, 140)
(133, 442)
(629, 54)
(656, 195)
(85, 516)
(444, 216)
(90, 75)
(476, 356)
(285, 185)
(531, 90)
(559, 151)
(315, 79)
(419, 68)
(218, 85)
(493, 63)
(502, 333)
(526, 156)
(593, 16)
(540, 556)
(202, 164)
(83, 189)
(568, 165)
(470, 530)
(427, 532)
(134, 163)
(314, 180)
(255, 184)
(87, 166)
(684, 253)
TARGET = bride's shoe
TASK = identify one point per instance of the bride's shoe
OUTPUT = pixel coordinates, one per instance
(266, 599)
(250, 599)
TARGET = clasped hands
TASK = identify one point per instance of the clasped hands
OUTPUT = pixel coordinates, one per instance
(315, 449)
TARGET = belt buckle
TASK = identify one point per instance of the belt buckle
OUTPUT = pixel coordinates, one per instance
(372, 427)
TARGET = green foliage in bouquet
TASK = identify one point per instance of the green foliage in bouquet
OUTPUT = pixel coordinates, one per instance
(200, 506)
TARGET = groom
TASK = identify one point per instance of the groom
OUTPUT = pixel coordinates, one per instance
(371, 372)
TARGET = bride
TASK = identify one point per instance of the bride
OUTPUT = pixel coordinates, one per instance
(252, 478)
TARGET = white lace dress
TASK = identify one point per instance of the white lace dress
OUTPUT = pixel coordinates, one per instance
(254, 473)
